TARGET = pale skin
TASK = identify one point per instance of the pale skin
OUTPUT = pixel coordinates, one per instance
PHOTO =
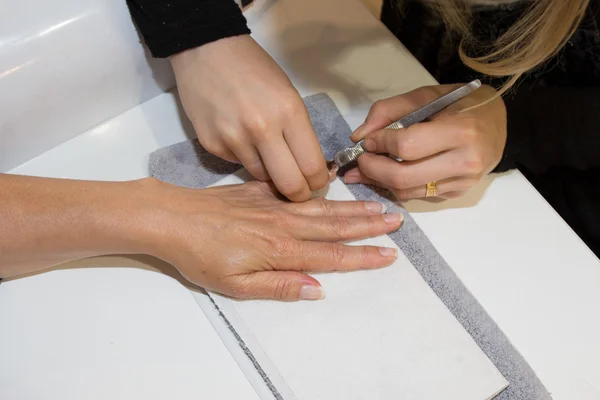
(246, 110)
(275, 243)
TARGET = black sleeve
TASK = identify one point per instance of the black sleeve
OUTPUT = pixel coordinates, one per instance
(552, 127)
(171, 26)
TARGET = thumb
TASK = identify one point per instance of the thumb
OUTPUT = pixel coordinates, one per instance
(385, 111)
(282, 285)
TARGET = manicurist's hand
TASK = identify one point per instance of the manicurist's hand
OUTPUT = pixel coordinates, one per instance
(455, 149)
(239, 240)
(245, 109)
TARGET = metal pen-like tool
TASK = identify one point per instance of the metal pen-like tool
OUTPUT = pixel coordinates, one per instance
(350, 154)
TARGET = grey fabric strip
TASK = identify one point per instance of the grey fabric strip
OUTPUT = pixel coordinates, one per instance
(188, 164)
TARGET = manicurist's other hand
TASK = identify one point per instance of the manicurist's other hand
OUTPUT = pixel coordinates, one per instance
(245, 109)
(455, 149)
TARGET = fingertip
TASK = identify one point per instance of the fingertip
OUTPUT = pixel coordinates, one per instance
(282, 286)
(320, 180)
(380, 257)
(352, 176)
(393, 219)
(311, 292)
(359, 133)
(260, 174)
(388, 252)
(296, 195)
(300, 197)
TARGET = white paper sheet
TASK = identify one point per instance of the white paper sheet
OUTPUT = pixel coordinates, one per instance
(380, 334)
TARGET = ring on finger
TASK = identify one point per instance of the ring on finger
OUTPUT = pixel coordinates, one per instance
(431, 189)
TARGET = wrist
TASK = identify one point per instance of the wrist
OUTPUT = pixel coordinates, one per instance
(51, 221)
(151, 221)
(125, 219)
(225, 46)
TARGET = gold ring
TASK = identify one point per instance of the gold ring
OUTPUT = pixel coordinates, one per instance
(431, 189)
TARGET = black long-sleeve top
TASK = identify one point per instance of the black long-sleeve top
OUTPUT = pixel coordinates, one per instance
(553, 113)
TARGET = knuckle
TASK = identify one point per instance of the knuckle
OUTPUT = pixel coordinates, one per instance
(291, 107)
(403, 148)
(258, 126)
(274, 216)
(284, 247)
(471, 130)
(283, 290)
(399, 181)
(378, 106)
(214, 147)
(233, 139)
(474, 164)
(341, 227)
(313, 169)
(374, 225)
(339, 253)
(326, 206)
(292, 189)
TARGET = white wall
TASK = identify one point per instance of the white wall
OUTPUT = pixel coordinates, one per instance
(66, 66)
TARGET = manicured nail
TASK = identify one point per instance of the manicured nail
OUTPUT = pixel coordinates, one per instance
(393, 219)
(312, 292)
(388, 252)
(376, 207)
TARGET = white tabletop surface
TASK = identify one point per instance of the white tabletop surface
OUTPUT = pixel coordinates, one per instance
(521, 261)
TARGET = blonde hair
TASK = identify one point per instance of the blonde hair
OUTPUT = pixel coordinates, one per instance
(543, 29)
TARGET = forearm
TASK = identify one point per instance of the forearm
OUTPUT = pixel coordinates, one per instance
(46, 222)
(170, 27)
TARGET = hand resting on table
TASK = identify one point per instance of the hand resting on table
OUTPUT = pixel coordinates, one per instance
(240, 240)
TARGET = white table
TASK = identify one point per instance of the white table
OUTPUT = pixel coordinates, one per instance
(525, 266)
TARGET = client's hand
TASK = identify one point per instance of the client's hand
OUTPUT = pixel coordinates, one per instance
(454, 149)
(244, 241)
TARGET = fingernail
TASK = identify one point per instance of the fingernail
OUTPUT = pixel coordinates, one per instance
(311, 292)
(388, 252)
(370, 145)
(393, 219)
(352, 176)
(376, 207)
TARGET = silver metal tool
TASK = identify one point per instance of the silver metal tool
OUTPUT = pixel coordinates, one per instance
(350, 154)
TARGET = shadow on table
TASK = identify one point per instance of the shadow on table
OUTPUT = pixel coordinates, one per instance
(137, 261)
(314, 52)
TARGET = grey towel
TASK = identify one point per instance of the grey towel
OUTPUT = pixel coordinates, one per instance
(188, 164)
